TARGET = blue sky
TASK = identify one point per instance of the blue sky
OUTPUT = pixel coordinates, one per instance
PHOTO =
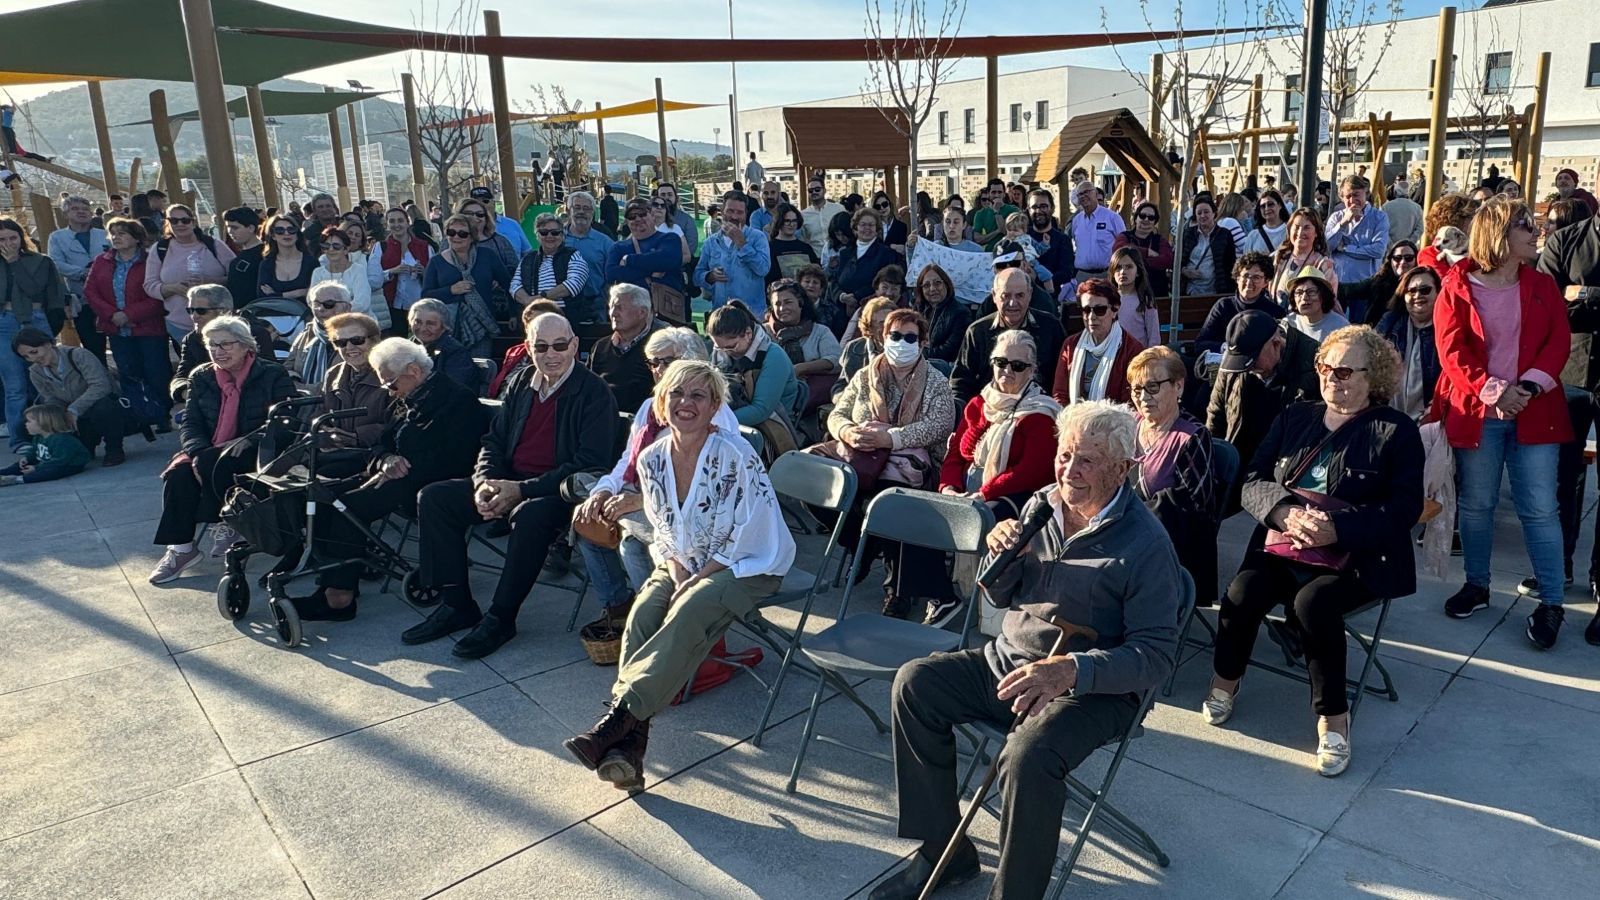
(760, 84)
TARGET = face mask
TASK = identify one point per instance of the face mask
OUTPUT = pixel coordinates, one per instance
(901, 353)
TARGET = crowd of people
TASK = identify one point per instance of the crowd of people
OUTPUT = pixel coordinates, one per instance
(552, 390)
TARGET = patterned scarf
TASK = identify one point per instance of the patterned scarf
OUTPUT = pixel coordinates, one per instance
(895, 400)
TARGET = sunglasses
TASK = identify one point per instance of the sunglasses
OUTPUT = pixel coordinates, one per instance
(1150, 388)
(1403, 257)
(880, 206)
(284, 231)
(660, 362)
(815, 190)
(359, 341)
(548, 232)
(1340, 373)
(334, 248)
(1145, 217)
(478, 215)
(557, 346)
(199, 310)
(1099, 309)
(910, 337)
(458, 234)
(634, 216)
(658, 205)
(1016, 365)
(329, 304)
(1421, 290)
(180, 220)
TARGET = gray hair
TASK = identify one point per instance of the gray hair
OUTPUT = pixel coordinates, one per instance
(546, 218)
(323, 287)
(76, 198)
(584, 195)
(393, 354)
(1106, 418)
(1017, 337)
(429, 305)
(216, 295)
(684, 343)
(231, 327)
(633, 293)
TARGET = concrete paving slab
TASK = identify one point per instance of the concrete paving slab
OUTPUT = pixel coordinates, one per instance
(206, 840)
(184, 611)
(1568, 673)
(1336, 868)
(414, 805)
(263, 699)
(579, 862)
(1494, 787)
(76, 746)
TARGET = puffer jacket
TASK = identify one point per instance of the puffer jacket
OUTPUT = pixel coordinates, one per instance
(267, 383)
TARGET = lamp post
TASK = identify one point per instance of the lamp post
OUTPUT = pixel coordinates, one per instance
(733, 69)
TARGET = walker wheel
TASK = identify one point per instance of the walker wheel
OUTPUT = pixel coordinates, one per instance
(288, 621)
(416, 593)
(233, 597)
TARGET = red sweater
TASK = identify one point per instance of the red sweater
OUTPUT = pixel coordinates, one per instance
(1029, 467)
(146, 314)
(1544, 342)
(535, 453)
(1117, 388)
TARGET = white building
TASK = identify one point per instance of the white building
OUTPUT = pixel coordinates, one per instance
(374, 185)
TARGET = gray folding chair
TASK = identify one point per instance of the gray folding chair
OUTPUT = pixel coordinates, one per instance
(1092, 800)
(873, 646)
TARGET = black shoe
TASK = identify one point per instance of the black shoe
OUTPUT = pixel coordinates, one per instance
(490, 635)
(906, 882)
(114, 457)
(897, 607)
(315, 608)
(941, 612)
(1529, 587)
(1545, 624)
(1455, 543)
(445, 620)
(623, 765)
(558, 561)
(1465, 602)
(1592, 633)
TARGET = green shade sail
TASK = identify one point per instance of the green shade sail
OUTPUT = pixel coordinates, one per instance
(277, 103)
(150, 41)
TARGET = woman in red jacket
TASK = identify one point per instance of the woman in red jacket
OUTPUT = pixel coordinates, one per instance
(1094, 362)
(1003, 449)
(133, 321)
(1503, 339)
(403, 255)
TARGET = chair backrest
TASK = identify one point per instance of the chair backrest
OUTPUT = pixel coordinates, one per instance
(756, 438)
(814, 480)
(1224, 463)
(925, 519)
(489, 368)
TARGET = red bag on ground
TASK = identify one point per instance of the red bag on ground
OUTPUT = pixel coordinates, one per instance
(712, 673)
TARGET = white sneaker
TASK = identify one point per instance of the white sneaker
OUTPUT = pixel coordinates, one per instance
(1333, 754)
(222, 537)
(1218, 706)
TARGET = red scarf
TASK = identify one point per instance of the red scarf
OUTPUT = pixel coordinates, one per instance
(228, 415)
(394, 253)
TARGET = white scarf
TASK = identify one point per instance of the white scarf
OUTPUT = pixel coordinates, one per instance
(1105, 353)
(1004, 412)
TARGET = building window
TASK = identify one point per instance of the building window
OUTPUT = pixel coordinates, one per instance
(1041, 114)
(1433, 72)
(1016, 117)
(1216, 110)
(944, 127)
(968, 125)
(761, 141)
(1594, 67)
(747, 142)
(1293, 98)
(1497, 73)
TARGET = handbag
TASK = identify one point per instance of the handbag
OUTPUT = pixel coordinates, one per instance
(1278, 544)
(598, 531)
(868, 464)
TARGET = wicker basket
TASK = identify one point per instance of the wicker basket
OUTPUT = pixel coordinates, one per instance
(604, 645)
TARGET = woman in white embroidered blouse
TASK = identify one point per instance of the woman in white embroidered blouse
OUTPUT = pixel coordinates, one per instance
(720, 546)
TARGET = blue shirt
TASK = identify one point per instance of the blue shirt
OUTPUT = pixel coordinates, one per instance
(593, 248)
(660, 252)
(513, 232)
(746, 268)
(761, 218)
(1357, 248)
(1092, 237)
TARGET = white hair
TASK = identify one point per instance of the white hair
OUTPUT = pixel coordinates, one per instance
(327, 286)
(634, 294)
(574, 195)
(393, 354)
(1106, 418)
(684, 343)
(231, 327)
(429, 305)
(215, 294)
(1018, 337)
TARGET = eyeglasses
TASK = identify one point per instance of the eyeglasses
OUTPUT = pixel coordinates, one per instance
(910, 337)
(358, 341)
(634, 216)
(792, 221)
(284, 231)
(334, 248)
(1340, 373)
(549, 232)
(199, 310)
(1145, 217)
(221, 346)
(329, 304)
(180, 220)
(1308, 292)
(557, 346)
(1098, 309)
(480, 214)
(660, 362)
(1150, 388)
(1251, 276)
(1016, 365)
(458, 234)
(1420, 290)
(1403, 257)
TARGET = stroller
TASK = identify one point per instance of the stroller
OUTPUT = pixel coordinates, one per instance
(276, 513)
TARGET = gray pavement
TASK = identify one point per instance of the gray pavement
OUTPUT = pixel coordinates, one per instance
(149, 748)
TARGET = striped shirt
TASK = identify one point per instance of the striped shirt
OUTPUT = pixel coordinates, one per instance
(577, 274)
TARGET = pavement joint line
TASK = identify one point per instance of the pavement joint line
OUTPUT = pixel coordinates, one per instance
(273, 828)
(1410, 864)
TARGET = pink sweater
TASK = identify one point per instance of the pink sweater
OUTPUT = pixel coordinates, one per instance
(1500, 309)
(175, 268)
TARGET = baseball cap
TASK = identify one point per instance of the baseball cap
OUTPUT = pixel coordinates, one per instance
(481, 193)
(1247, 334)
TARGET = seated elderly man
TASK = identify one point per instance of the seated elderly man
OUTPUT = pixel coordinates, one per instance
(204, 302)
(312, 352)
(1104, 567)
(429, 320)
(620, 358)
(544, 431)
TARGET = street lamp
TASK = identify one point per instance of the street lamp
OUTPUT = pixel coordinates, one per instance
(716, 141)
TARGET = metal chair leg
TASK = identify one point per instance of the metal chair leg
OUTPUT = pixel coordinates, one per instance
(1372, 659)
(805, 739)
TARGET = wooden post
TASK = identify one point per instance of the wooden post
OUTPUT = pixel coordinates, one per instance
(171, 181)
(206, 66)
(600, 138)
(264, 155)
(510, 197)
(1439, 121)
(336, 142)
(1535, 129)
(991, 105)
(44, 215)
(1157, 64)
(419, 179)
(133, 175)
(1258, 98)
(360, 191)
(661, 136)
(102, 135)
(477, 165)
(1378, 137)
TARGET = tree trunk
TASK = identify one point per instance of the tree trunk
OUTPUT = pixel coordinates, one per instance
(911, 183)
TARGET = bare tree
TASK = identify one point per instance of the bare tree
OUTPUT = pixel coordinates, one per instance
(448, 118)
(1486, 84)
(909, 57)
(564, 141)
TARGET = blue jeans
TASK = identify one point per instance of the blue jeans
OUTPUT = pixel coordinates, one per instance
(14, 373)
(1532, 468)
(616, 573)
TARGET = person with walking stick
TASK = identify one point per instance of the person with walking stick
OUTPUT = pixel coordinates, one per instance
(1091, 586)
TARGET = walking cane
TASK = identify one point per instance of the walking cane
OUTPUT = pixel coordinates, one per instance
(1063, 628)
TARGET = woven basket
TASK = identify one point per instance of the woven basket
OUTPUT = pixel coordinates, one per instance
(604, 646)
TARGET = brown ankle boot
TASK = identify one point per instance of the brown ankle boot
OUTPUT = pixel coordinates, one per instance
(623, 765)
(591, 746)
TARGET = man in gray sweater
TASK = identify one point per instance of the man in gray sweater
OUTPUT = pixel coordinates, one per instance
(1102, 564)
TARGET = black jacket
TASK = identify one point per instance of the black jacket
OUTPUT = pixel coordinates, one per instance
(1243, 405)
(1223, 254)
(854, 276)
(267, 383)
(1214, 333)
(947, 325)
(972, 369)
(1572, 257)
(192, 352)
(438, 428)
(584, 403)
(1393, 328)
(1058, 257)
(450, 356)
(1376, 465)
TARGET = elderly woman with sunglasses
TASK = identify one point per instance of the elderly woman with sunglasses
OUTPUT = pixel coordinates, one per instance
(1408, 325)
(1004, 444)
(184, 257)
(1155, 250)
(1336, 487)
(1503, 338)
(462, 276)
(351, 383)
(1094, 362)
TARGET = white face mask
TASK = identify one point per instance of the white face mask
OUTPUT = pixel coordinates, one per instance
(902, 353)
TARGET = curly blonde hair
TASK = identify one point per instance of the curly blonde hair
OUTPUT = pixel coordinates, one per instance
(1451, 209)
(1383, 361)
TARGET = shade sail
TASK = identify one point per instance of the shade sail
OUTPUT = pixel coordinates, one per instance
(636, 108)
(150, 41)
(278, 103)
(668, 50)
